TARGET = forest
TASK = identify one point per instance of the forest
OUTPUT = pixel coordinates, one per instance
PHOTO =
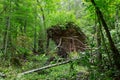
(59, 40)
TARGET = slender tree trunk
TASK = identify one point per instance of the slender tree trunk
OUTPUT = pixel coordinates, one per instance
(5, 41)
(47, 45)
(43, 18)
(35, 31)
(98, 43)
(104, 45)
(42, 34)
(116, 55)
(35, 40)
(41, 42)
(99, 46)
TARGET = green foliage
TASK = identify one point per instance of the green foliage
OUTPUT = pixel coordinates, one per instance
(60, 17)
(23, 24)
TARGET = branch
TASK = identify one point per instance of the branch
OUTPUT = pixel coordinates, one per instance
(60, 42)
(48, 66)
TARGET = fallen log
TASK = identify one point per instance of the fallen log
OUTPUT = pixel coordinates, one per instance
(48, 66)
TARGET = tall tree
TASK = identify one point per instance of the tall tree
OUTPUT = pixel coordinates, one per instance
(116, 55)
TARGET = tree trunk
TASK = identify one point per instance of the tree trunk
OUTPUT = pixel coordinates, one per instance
(116, 55)
(5, 40)
(104, 45)
(35, 31)
(35, 41)
(42, 42)
(99, 54)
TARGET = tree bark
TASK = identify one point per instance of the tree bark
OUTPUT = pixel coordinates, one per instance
(116, 55)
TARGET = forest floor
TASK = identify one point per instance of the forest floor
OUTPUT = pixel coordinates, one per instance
(61, 72)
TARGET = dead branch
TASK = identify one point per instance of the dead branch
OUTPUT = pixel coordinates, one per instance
(75, 38)
(57, 45)
(48, 66)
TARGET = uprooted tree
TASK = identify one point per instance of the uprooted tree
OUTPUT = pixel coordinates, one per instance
(67, 37)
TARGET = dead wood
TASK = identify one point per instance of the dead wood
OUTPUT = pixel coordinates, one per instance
(48, 66)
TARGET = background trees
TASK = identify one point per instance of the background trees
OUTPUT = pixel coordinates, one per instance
(23, 26)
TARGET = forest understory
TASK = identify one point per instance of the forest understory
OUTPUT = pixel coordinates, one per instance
(59, 40)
